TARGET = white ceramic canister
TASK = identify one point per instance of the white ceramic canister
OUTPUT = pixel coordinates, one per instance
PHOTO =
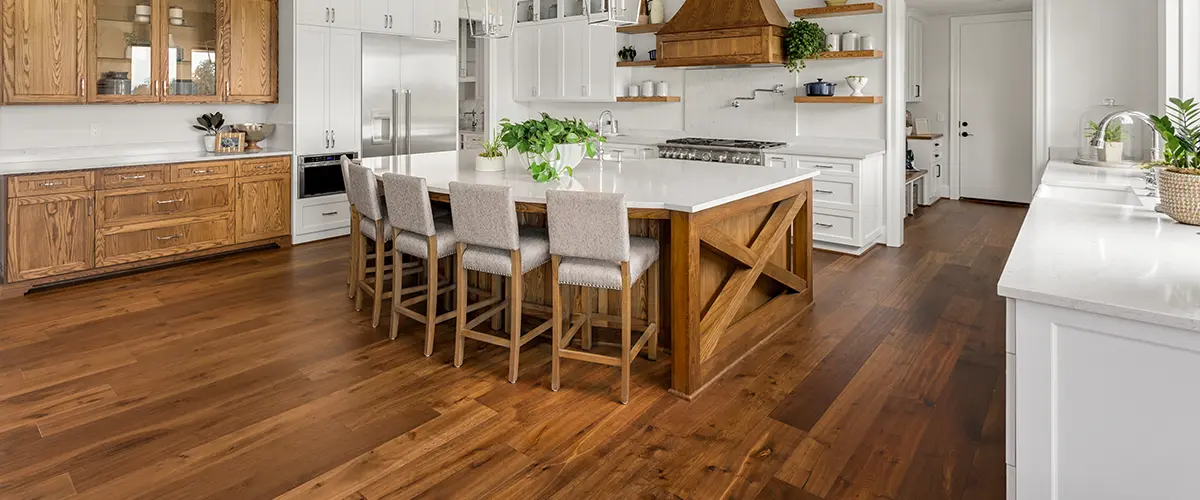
(633, 91)
(662, 89)
(833, 42)
(648, 88)
(175, 13)
(142, 10)
(866, 42)
(850, 40)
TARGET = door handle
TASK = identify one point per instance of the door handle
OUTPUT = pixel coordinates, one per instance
(327, 139)
(334, 14)
(918, 91)
(824, 225)
(407, 122)
(967, 134)
(822, 191)
(333, 138)
(326, 14)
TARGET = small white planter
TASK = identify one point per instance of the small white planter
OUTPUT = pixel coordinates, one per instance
(1112, 152)
(210, 143)
(856, 85)
(483, 164)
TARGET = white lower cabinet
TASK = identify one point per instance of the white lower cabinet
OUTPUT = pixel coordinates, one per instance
(320, 218)
(618, 152)
(928, 155)
(847, 200)
(566, 61)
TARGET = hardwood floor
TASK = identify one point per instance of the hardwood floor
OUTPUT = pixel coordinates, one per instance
(253, 377)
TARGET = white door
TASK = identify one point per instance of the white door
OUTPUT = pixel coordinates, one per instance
(575, 60)
(345, 50)
(995, 109)
(312, 82)
(550, 53)
(345, 14)
(602, 61)
(402, 16)
(526, 53)
(313, 12)
(374, 16)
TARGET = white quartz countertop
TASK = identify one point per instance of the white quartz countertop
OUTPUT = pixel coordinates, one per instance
(1100, 257)
(682, 186)
(48, 166)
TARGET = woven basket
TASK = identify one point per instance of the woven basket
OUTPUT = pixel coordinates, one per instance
(1180, 195)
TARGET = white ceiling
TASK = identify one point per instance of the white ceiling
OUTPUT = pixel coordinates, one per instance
(961, 7)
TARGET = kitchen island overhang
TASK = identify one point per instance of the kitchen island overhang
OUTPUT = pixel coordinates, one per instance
(736, 246)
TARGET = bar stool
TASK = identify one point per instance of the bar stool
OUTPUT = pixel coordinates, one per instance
(591, 247)
(351, 282)
(490, 241)
(416, 232)
(373, 228)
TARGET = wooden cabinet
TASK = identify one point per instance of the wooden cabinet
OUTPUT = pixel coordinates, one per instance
(44, 51)
(251, 41)
(914, 64)
(330, 121)
(154, 239)
(264, 207)
(53, 235)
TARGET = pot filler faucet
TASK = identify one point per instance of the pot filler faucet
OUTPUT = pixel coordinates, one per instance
(737, 101)
(1156, 154)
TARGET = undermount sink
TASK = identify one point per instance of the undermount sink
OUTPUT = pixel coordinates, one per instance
(1108, 196)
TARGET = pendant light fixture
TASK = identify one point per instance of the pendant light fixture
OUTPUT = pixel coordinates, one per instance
(615, 12)
(491, 19)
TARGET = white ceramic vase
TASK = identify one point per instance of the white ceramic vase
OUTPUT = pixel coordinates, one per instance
(857, 85)
(485, 164)
(1112, 152)
(210, 142)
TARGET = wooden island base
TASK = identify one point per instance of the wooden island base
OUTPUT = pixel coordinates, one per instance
(736, 274)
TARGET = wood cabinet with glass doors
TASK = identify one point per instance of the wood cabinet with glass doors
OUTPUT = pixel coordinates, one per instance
(136, 51)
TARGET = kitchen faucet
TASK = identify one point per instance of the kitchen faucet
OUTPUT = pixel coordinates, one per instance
(611, 123)
(1156, 154)
(737, 101)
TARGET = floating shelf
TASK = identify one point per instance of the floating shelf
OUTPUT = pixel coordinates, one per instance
(670, 98)
(851, 54)
(840, 99)
(857, 9)
(627, 64)
(638, 29)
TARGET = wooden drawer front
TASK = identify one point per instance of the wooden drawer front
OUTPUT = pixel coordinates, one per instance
(833, 192)
(127, 177)
(828, 167)
(132, 243)
(835, 228)
(145, 204)
(324, 217)
(264, 166)
(56, 183)
(201, 171)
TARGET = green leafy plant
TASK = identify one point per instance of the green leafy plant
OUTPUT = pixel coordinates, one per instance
(1114, 133)
(802, 40)
(536, 140)
(1180, 128)
(493, 148)
(210, 123)
(627, 53)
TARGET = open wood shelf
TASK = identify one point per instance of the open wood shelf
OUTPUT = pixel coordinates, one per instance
(850, 54)
(840, 99)
(638, 29)
(857, 9)
(670, 98)
(627, 64)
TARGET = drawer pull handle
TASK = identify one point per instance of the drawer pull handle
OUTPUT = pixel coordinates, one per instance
(262, 167)
(823, 166)
(329, 214)
(205, 171)
(168, 202)
(133, 177)
(168, 238)
(822, 191)
(824, 225)
(52, 183)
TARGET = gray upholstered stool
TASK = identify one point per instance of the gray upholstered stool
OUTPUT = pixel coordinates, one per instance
(351, 275)
(490, 241)
(373, 228)
(591, 247)
(416, 232)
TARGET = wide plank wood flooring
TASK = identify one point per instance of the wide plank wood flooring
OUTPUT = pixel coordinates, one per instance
(251, 376)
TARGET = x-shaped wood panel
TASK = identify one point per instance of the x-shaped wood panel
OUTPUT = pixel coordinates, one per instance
(756, 258)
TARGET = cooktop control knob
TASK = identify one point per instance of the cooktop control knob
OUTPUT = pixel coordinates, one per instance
(707, 156)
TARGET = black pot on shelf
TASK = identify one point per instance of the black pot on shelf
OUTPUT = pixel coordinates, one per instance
(819, 88)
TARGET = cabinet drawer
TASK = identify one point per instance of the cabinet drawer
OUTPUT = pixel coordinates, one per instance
(835, 193)
(127, 177)
(835, 228)
(324, 217)
(201, 171)
(56, 183)
(264, 166)
(146, 204)
(162, 238)
(828, 166)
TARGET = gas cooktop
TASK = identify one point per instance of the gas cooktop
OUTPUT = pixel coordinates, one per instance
(737, 151)
(725, 143)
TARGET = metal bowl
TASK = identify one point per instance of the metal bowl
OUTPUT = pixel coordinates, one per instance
(255, 132)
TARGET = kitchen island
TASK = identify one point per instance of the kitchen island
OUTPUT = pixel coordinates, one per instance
(736, 246)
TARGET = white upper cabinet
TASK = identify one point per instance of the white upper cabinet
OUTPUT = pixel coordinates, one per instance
(334, 13)
(388, 16)
(435, 19)
(525, 43)
(550, 45)
(915, 66)
(565, 61)
(602, 61)
(329, 122)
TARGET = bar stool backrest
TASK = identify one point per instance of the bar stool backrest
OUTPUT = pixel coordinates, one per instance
(346, 162)
(363, 191)
(588, 225)
(484, 215)
(408, 204)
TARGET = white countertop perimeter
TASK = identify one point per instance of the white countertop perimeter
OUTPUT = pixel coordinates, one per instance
(39, 167)
(856, 149)
(682, 186)
(1124, 261)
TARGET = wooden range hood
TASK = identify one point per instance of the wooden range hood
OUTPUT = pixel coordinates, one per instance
(723, 33)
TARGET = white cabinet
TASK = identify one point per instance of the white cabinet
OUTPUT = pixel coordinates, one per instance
(335, 13)
(928, 154)
(528, 70)
(387, 16)
(847, 200)
(914, 66)
(435, 19)
(550, 62)
(565, 61)
(328, 60)
(619, 152)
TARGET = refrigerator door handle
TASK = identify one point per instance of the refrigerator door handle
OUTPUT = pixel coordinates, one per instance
(407, 122)
(395, 122)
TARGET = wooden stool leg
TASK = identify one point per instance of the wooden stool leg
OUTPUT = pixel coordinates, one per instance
(431, 295)
(397, 285)
(362, 272)
(380, 257)
(461, 305)
(498, 291)
(352, 274)
(556, 331)
(652, 291)
(626, 330)
(587, 320)
(514, 307)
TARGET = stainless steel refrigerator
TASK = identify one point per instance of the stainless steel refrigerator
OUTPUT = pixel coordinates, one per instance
(410, 95)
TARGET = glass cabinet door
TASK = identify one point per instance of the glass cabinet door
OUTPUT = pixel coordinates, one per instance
(191, 65)
(126, 67)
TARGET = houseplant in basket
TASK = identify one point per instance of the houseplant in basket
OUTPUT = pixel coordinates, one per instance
(550, 147)
(1179, 172)
(491, 159)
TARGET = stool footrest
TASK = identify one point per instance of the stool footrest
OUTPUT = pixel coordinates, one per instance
(486, 315)
(589, 357)
(536, 331)
(483, 337)
(575, 327)
(641, 342)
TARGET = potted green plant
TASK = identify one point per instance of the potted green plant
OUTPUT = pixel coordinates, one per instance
(1114, 140)
(210, 124)
(1179, 171)
(491, 159)
(550, 147)
(802, 40)
(627, 53)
